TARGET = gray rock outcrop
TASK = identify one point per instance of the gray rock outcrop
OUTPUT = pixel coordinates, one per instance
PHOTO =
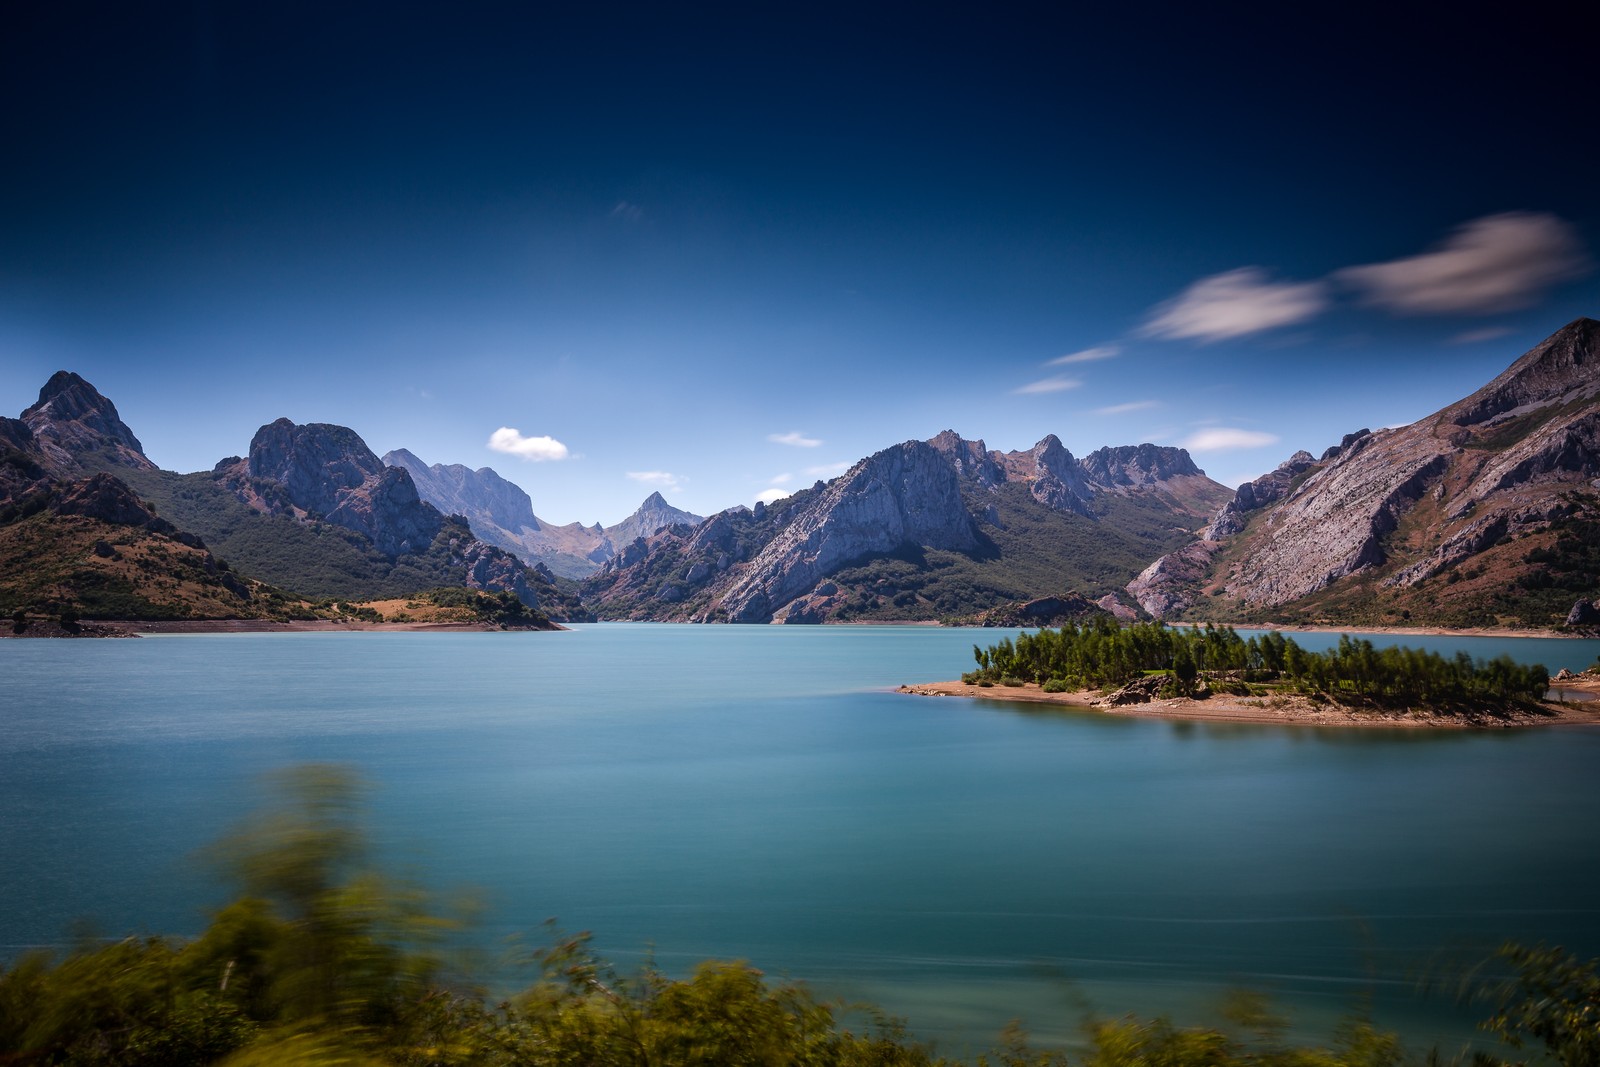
(1510, 459)
(329, 472)
(908, 494)
(77, 428)
(1267, 489)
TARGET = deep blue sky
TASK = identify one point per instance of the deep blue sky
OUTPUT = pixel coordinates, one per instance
(666, 239)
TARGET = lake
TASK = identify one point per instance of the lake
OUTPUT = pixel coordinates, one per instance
(760, 793)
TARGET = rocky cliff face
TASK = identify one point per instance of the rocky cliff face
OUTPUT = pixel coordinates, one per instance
(22, 462)
(905, 495)
(1405, 504)
(481, 496)
(1137, 465)
(77, 429)
(1058, 481)
(328, 472)
(1267, 489)
(779, 562)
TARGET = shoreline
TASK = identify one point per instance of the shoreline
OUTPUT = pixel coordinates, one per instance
(1283, 711)
(42, 630)
(1392, 631)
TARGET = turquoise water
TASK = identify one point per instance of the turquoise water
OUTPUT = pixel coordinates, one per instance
(760, 793)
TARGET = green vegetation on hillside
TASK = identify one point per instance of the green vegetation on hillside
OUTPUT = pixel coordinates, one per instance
(1031, 552)
(53, 564)
(1100, 654)
(323, 960)
(311, 558)
(500, 608)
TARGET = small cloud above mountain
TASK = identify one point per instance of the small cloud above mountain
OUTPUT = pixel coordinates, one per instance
(795, 438)
(1048, 385)
(1223, 439)
(1087, 355)
(1128, 408)
(665, 479)
(536, 449)
(768, 496)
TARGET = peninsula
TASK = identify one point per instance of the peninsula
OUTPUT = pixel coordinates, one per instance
(1212, 673)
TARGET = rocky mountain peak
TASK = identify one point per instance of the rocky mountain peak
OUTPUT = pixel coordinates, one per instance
(971, 459)
(1058, 481)
(1136, 465)
(1564, 366)
(652, 515)
(71, 417)
(328, 470)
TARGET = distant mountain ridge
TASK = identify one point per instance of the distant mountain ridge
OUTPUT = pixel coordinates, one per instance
(502, 514)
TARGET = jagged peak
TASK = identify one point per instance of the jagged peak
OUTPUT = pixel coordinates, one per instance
(1563, 363)
(654, 500)
(73, 416)
(971, 459)
(1141, 464)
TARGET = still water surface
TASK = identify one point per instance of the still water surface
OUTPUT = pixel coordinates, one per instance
(759, 793)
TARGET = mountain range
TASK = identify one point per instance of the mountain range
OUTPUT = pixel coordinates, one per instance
(1484, 513)
(502, 514)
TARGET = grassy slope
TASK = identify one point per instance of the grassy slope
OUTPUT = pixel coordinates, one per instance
(49, 564)
(312, 558)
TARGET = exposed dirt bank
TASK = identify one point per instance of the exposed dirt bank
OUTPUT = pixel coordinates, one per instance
(1293, 711)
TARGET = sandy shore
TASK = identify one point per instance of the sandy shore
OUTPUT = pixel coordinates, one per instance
(43, 629)
(1402, 631)
(1291, 711)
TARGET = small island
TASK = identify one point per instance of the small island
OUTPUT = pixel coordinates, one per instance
(1211, 673)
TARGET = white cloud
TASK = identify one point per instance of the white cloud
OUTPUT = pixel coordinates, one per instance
(795, 438)
(627, 212)
(1088, 355)
(768, 496)
(1493, 264)
(538, 449)
(1128, 408)
(829, 468)
(664, 479)
(1234, 304)
(781, 479)
(1222, 439)
(1049, 385)
(1488, 333)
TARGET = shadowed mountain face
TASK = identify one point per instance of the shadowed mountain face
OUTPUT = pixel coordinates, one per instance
(1477, 495)
(71, 418)
(329, 472)
(502, 514)
(924, 530)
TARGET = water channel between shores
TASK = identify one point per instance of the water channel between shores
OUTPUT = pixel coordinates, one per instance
(761, 793)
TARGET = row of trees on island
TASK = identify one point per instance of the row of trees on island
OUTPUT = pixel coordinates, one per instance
(1102, 654)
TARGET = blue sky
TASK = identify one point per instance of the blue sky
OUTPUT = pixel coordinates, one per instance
(725, 252)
